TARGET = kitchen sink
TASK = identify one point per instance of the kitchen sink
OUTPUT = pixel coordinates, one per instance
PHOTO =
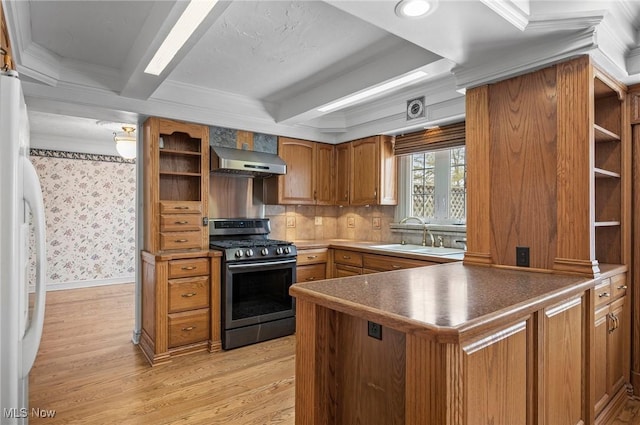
(418, 249)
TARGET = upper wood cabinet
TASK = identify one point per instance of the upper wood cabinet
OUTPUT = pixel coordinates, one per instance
(551, 169)
(373, 172)
(309, 178)
(342, 167)
(176, 185)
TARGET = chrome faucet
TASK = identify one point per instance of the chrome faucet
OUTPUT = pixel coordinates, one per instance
(425, 230)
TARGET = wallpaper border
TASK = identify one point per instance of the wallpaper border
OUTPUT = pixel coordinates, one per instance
(48, 153)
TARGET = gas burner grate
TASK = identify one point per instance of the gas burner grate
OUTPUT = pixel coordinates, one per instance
(246, 243)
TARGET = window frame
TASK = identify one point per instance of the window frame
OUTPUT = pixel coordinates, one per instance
(442, 181)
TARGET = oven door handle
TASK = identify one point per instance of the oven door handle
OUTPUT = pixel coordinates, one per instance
(262, 264)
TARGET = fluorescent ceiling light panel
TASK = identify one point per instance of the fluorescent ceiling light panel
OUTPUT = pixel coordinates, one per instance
(373, 91)
(190, 19)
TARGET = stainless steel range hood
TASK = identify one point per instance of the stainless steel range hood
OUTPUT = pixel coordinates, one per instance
(245, 163)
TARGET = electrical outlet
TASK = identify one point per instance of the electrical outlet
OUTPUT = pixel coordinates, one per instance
(522, 256)
(374, 330)
(318, 221)
(291, 222)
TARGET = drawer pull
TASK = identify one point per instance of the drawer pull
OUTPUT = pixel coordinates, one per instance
(188, 267)
(311, 257)
(604, 294)
(189, 295)
(181, 240)
(189, 328)
(181, 222)
(622, 287)
(310, 278)
(181, 208)
(395, 266)
(346, 257)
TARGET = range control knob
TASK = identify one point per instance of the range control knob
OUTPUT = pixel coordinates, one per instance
(249, 252)
(264, 251)
(279, 250)
(287, 250)
(239, 253)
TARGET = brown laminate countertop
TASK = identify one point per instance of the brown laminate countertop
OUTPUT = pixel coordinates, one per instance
(446, 301)
(369, 247)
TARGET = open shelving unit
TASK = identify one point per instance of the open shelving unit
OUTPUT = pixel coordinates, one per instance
(176, 184)
(607, 170)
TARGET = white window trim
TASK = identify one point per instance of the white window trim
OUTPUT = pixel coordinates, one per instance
(442, 184)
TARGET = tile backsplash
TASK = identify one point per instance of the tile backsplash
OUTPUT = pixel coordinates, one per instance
(316, 222)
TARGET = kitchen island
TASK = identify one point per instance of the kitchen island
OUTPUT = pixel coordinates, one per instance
(445, 344)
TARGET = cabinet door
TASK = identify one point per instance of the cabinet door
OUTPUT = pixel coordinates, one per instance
(323, 162)
(495, 377)
(342, 172)
(364, 172)
(618, 336)
(600, 358)
(562, 390)
(296, 187)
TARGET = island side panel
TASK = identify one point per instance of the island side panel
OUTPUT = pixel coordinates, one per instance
(315, 364)
(370, 374)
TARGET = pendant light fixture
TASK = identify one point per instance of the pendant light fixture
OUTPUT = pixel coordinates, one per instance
(126, 142)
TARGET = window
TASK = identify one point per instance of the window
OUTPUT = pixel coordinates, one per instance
(435, 186)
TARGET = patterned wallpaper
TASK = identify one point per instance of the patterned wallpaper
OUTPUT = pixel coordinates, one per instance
(89, 205)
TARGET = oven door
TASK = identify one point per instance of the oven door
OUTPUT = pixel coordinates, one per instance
(257, 292)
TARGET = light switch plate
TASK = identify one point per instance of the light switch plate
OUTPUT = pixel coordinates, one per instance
(291, 222)
(375, 222)
(318, 221)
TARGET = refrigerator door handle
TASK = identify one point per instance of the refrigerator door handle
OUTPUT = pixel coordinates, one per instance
(33, 334)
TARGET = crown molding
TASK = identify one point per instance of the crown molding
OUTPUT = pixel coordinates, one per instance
(568, 23)
(511, 11)
(527, 60)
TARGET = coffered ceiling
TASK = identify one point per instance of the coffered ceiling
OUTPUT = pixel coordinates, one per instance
(267, 66)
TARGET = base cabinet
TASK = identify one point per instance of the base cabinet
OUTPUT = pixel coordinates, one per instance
(530, 369)
(311, 264)
(180, 304)
(611, 346)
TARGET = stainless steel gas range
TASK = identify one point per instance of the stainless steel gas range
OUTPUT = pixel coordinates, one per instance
(256, 275)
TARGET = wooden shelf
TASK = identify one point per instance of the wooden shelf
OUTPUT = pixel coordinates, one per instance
(601, 134)
(178, 152)
(179, 173)
(606, 223)
(605, 174)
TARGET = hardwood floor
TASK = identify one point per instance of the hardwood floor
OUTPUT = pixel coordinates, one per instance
(89, 372)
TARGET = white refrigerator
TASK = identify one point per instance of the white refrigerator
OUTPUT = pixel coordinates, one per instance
(20, 192)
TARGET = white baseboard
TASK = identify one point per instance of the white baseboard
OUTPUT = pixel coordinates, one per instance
(86, 283)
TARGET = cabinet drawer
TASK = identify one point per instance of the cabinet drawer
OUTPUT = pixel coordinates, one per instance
(350, 258)
(341, 270)
(180, 240)
(618, 285)
(188, 327)
(388, 263)
(310, 272)
(603, 292)
(190, 267)
(188, 293)
(179, 222)
(180, 207)
(311, 256)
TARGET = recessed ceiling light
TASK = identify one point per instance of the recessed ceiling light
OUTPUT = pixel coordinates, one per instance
(373, 91)
(414, 8)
